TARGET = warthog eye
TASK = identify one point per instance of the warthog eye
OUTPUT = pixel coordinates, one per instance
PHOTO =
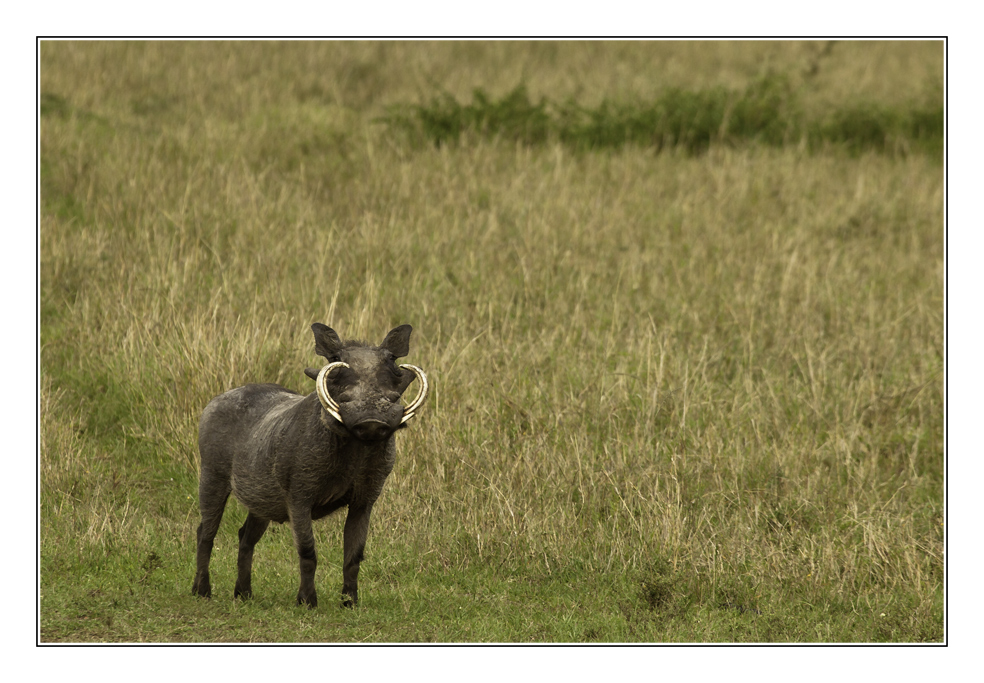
(343, 377)
(390, 374)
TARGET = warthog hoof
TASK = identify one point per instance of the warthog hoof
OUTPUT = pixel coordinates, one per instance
(202, 588)
(311, 600)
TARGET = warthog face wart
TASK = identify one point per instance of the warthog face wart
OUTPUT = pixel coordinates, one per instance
(293, 458)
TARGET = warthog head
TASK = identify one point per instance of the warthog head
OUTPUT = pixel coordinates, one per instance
(361, 385)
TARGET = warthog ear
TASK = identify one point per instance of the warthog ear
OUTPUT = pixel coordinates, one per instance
(397, 341)
(326, 341)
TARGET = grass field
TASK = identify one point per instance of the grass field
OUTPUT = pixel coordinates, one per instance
(681, 392)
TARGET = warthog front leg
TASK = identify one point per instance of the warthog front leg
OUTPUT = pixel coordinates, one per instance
(250, 532)
(300, 525)
(356, 529)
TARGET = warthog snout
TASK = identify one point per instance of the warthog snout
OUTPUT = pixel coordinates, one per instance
(292, 458)
(372, 430)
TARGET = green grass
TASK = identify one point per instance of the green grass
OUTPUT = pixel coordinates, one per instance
(766, 111)
(677, 396)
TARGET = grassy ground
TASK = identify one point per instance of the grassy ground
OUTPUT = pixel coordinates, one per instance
(685, 395)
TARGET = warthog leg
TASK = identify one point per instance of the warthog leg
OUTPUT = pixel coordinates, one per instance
(250, 532)
(212, 504)
(356, 529)
(300, 525)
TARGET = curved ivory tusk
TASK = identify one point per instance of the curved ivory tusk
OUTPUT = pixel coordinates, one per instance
(327, 402)
(415, 404)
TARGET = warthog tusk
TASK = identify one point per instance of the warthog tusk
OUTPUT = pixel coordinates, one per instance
(415, 404)
(327, 402)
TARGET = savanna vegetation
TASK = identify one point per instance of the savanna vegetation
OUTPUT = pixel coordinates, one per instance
(680, 303)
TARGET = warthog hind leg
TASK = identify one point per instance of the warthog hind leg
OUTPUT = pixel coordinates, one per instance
(212, 505)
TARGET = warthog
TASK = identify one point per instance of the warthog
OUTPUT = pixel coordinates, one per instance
(288, 457)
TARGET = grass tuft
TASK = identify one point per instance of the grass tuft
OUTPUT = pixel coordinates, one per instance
(767, 111)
